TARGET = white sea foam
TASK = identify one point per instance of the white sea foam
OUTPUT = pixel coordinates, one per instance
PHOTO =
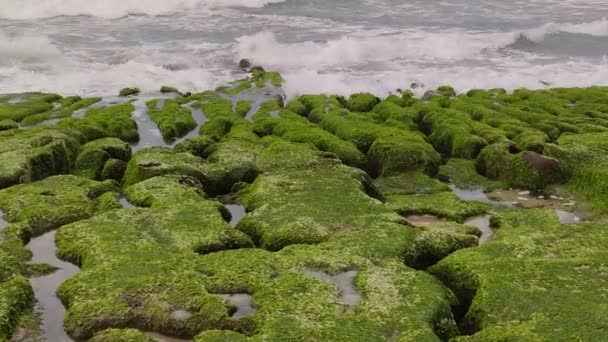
(597, 28)
(27, 49)
(36, 9)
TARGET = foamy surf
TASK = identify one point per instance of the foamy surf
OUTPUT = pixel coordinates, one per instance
(37, 9)
(316, 47)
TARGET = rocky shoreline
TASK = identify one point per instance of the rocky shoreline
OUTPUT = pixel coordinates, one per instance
(353, 217)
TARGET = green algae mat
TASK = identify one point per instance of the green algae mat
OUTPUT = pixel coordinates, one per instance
(360, 215)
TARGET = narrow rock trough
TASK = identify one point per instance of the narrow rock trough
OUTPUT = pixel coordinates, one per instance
(483, 224)
(237, 213)
(149, 134)
(162, 338)
(566, 217)
(200, 119)
(45, 287)
(3, 222)
(478, 196)
(124, 202)
(345, 282)
(424, 220)
(242, 302)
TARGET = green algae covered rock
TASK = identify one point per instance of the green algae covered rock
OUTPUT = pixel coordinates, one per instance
(96, 155)
(114, 169)
(158, 161)
(389, 150)
(294, 177)
(289, 296)
(409, 183)
(168, 90)
(524, 169)
(362, 102)
(16, 107)
(124, 335)
(441, 204)
(294, 128)
(17, 298)
(537, 280)
(28, 155)
(112, 121)
(173, 120)
(463, 174)
(437, 241)
(67, 106)
(232, 160)
(129, 256)
(52, 202)
(8, 124)
(128, 91)
(584, 156)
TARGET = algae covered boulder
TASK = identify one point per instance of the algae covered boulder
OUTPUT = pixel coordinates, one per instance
(158, 161)
(5, 125)
(526, 169)
(95, 157)
(537, 280)
(29, 155)
(128, 91)
(54, 201)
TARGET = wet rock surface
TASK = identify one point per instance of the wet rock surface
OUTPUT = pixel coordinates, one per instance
(233, 215)
(45, 287)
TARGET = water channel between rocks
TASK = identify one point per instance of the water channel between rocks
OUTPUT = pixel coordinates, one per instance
(242, 302)
(3, 222)
(124, 202)
(483, 224)
(45, 287)
(237, 213)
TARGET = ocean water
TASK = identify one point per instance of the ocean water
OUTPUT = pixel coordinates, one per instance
(95, 47)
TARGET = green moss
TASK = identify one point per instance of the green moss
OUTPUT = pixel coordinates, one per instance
(128, 91)
(168, 90)
(295, 306)
(16, 107)
(8, 124)
(113, 121)
(536, 280)
(28, 155)
(389, 150)
(294, 128)
(173, 120)
(17, 298)
(524, 169)
(463, 174)
(242, 108)
(124, 335)
(37, 270)
(67, 106)
(409, 183)
(584, 157)
(52, 202)
(442, 204)
(159, 161)
(362, 102)
(438, 241)
(129, 257)
(196, 145)
(114, 169)
(231, 161)
(94, 156)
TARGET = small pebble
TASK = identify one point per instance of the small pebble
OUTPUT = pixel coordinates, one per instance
(522, 198)
(523, 193)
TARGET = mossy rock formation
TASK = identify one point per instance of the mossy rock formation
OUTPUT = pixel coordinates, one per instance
(327, 249)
